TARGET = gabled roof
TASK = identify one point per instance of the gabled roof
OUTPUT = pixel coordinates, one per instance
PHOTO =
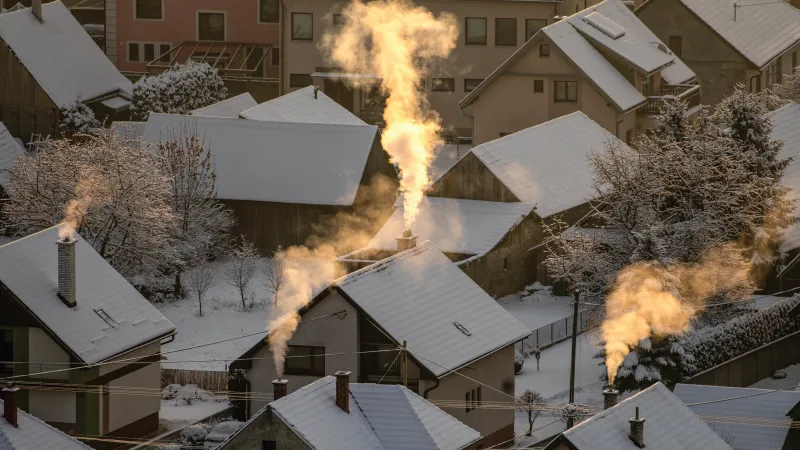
(319, 164)
(307, 105)
(547, 165)
(785, 128)
(33, 434)
(759, 33)
(29, 269)
(756, 405)
(10, 150)
(467, 227)
(578, 38)
(382, 417)
(60, 55)
(421, 297)
(230, 107)
(669, 425)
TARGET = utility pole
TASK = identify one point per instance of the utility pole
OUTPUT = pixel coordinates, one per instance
(576, 304)
(405, 364)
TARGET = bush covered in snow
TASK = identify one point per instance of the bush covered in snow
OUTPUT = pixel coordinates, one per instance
(77, 118)
(193, 434)
(178, 91)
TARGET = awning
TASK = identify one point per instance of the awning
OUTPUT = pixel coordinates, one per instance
(345, 76)
(116, 103)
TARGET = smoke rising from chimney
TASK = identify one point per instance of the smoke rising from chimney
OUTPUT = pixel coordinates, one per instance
(397, 41)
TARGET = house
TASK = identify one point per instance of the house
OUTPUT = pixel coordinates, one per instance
(602, 61)
(69, 317)
(488, 211)
(306, 105)
(741, 421)
(10, 150)
(334, 414)
(489, 32)
(726, 43)
(21, 431)
(281, 179)
(50, 63)
(654, 419)
(239, 38)
(460, 342)
(230, 107)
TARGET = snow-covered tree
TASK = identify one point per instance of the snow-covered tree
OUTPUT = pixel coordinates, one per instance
(77, 118)
(573, 412)
(274, 277)
(111, 190)
(240, 268)
(200, 280)
(178, 91)
(789, 88)
(530, 402)
(203, 223)
(664, 360)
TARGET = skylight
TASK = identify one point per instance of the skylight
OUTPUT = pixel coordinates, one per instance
(462, 328)
(604, 24)
(107, 318)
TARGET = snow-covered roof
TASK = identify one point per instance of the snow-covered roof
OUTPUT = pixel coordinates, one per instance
(129, 130)
(760, 33)
(669, 425)
(33, 434)
(382, 417)
(468, 227)
(611, 26)
(29, 269)
(307, 163)
(60, 55)
(766, 406)
(421, 297)
(230, 107)
(10, 150)
(307, 105)
(547, 165)
(785, 128)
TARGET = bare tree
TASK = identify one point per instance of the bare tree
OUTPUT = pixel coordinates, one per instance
(241, 267)
(273, 274)
(530, 402)
(200, 281)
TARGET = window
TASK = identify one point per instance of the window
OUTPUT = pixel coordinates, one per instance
(276, 56)
(505, 260)
(305, 360)
(149, 9)
(471, 83)
(302, 26)
(779, 70)
(532, 26)
(146, 51)
(505, 32)
(538, 86)
(676, 45)
(566, 91)
(149, 52)
(544, 51)
(299, 80)
(163, 49)
(269, 445)
(268, 11)
(629, 137)
(211, 26)
(133, 51)
(6, 349)
(475, 31)
(338, 20)
(443, 84)
(473, 399)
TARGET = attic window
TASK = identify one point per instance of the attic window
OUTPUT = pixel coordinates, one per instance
(462, 329)
(604, 24)
(104, 315)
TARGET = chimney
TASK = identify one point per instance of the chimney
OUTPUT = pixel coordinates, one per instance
(10, 404)
(36, 9)
(610, 398)
(66, 271)
(279, 389)
(343, 390)
(637, 430)
(406, 241)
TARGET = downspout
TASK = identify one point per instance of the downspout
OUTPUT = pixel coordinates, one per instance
(750, 82)
(473, 132)
(426, 391)
(617, 126)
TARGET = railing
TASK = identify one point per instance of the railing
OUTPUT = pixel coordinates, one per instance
(555, 332)
(688, 93)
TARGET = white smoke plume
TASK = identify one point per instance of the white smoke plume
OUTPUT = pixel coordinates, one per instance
(397, 42)
(87, 188)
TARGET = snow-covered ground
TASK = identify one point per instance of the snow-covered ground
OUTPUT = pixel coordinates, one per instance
(538, 309)
(183, 405)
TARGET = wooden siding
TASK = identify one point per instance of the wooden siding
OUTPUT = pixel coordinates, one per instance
(470, 179)
(25, 108)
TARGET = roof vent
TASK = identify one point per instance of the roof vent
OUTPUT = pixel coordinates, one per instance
(604, 24)
(462, 329)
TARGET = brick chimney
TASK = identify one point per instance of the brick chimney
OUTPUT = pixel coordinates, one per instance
(36, 9)
(406, 241)
(10, 404)
(66, 271)
(279, 389)
(637, 430)
(343, 390)
(610, 398)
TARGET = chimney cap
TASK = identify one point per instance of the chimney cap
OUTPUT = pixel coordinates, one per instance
(66, 240)
(343, 373)
(280, 381)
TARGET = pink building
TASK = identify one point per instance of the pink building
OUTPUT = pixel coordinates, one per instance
(240, 37)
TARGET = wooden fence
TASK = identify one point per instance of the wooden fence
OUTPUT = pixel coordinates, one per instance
(752, 366)
(213, 381)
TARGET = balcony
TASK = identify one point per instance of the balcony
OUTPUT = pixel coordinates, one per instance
(687, 93)
(231, 59)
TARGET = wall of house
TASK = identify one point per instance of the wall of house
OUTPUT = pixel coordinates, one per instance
(54, 407)
(126, 409)
(46, 355)
(266, 427)
(179, 24)
(470, 179)
(782, 65)
(337, 336)
(495, 370)
(473, 62)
